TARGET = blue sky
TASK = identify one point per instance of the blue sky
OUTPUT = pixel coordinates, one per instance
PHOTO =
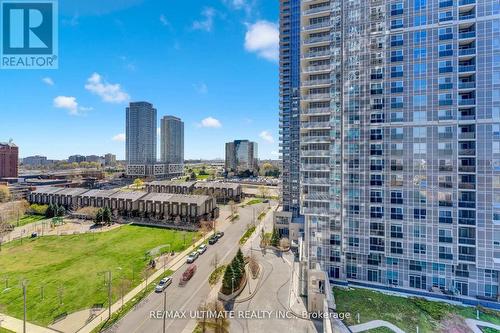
(212, 63)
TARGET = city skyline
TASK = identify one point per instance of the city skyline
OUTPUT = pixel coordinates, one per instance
(89, 90)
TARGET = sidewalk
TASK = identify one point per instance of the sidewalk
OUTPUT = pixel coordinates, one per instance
(16, 325)
(175, 264)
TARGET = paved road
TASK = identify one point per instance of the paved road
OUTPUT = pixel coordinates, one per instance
(189, 297)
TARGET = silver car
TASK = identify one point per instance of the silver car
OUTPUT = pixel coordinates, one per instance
(201, 249)
(192, 257)
(164, 283)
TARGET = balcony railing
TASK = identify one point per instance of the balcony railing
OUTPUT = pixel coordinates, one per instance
(316, 10)
(467, 101)
(319, 25)
(466, 85)
(467, 34)
(466, 68)
(314, 40)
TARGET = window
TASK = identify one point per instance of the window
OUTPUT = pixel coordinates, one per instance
(445, 66)
(420, 4)
(420, 84)
(419, 132)
(420, 53)
(445, 16)
(445, 253)
(419, 213)
(420, 116)
(420, 36)
(396, 213)
(419, 148)
(353, 241)
(397, 40)
(397, 23)
(445, 33)
(445, 83)
(397, 71)
(420, 100)
(397, 102)
(419, 231)
(396, 86)
(420, 20)
(397, 231)
(397, 247)
(419, 248)
(396, 55)
(445, 50)
(419, 68)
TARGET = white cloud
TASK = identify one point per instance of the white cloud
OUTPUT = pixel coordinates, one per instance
(201, 88)
(48, 81)
(69, 103)
(262, 38)
(266, 136)
(164, 21)
(207, 23)
(210, 122)
(119, 137)
(246, 5)
(111, 93)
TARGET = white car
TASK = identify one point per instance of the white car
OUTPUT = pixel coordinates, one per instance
(201, 249)
(164, 283)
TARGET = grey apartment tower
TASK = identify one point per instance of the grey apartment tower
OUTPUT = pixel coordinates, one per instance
(140, 134)
(172, 140)
(400, 142)
(290, 104)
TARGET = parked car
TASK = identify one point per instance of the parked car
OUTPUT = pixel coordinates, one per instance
(192, 257)
(164, 283)
(201, 249)
(220, 234)
(187, 275)
(212, 240)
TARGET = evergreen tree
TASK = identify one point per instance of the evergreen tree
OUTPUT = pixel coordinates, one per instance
(98, 216)
(106, 215)
(49, 213)
(228, 277)
(60, 211)
(241, 259)
(275, 238)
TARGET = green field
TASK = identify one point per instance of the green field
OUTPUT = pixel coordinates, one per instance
(27, 219)
(69, 268)
(406, 313)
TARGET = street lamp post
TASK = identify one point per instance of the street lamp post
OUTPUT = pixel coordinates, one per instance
(24, 306)
(164, 310)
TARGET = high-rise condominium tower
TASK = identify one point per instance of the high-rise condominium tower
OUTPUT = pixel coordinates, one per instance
(241, 155)
(400, 142)
(289, 104)
(141, 133)
(172, 140)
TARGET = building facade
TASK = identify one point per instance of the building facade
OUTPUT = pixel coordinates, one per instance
(9, 160)
(241, 155)
(400, 143)
(110, 159)
(290, 104)
(76, 159)
(172, 140)
(35, 161)
(141, 124)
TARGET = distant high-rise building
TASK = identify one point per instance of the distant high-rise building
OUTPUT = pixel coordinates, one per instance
(141, 124)
(241, 155)
(94, 159)
(35, 161)
(9, 163)
(76, 159)
(172, 140)
(110, 160)
(400, 143)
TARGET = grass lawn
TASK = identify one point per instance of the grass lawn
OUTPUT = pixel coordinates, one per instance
(70, 269)
(253, 202)
(27, 219)
(406, 313)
